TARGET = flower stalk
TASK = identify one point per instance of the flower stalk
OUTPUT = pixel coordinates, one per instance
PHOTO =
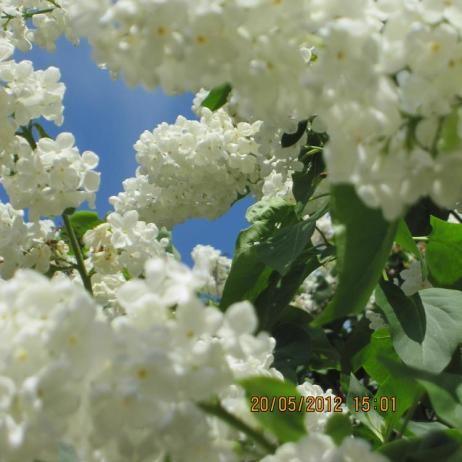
(217, 410)
(77, 252)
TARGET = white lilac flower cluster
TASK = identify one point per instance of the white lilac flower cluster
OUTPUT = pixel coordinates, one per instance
(200, 168)
(128, 385)
(191, 169)
(25, 94)
(185, 46)
(122, 242)
(382, 75)
(32, 94)
(414, 279)
(120, 390)
(316, 290)
(318, 447)
(117, 250)
(27, 245)
(276, 184)
(47, 176)
(129, 388)
(53, 341)
(39, 22)
(397, 70)
(195, 168)
(213, 267)
(51, 177)
(374, 315)
(376, 319)
(315, 422)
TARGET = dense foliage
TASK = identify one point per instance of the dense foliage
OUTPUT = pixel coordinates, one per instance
(334, 334)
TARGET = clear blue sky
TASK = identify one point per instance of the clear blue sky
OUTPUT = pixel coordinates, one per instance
(107, 117)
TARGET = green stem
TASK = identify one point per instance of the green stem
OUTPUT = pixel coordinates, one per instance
(323, 236)
(319, 197)
(26, 133)
(328, 260)
(30, 14)
(41, 131)
(219, 411)
(421, 238)
(54, 3)
(434, 147)
(78, 253)
(409, 415)
(456, 216)
(8, 18)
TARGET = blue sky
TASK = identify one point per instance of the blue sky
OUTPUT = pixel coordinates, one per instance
(107, 117)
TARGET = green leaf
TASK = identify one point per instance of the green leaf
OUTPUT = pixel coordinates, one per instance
(364, 432)
(286, 426)
(357, 340)
(380, 343)
(293, 349)
(67, 453)
(249, 275)
(434, 447)
(449, 139)
(277, 241)
(423, 428)
(364, 239)
(293, 342)
(444, 254)
(338, 427)
(425, 328)
(271, 214)
(299, 347)
(444, 390)
(272, 259)
(286, 245)
(372, 419)
(306, 181)
(280, 290)
(419, 215)
(82, 222)
(404, 239)
(455, 366)
(323, 355)
(311, 175)
(289, 139)
(402, 389)
(217, 97)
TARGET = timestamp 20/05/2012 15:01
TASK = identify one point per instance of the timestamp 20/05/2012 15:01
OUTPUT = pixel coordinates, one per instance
(321, 404)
